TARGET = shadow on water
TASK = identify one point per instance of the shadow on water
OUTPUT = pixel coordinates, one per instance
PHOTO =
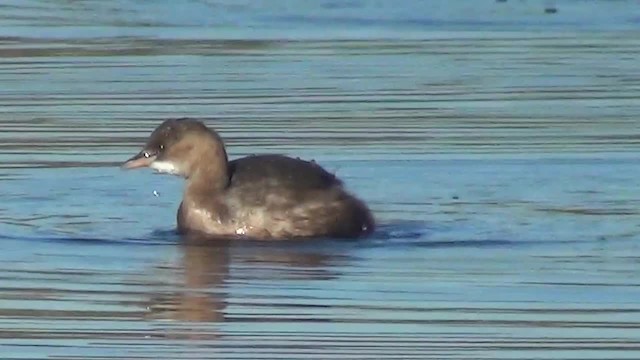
(199, 289)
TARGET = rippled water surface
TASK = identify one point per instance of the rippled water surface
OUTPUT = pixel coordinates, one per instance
(495, 141)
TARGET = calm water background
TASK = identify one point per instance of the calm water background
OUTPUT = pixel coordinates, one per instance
(496, 144)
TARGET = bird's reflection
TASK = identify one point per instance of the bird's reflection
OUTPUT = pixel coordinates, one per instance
(201, 276)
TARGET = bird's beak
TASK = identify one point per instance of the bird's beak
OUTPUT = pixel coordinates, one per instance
(142, 159)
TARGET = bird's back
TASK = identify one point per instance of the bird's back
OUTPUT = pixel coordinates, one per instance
(279, 170)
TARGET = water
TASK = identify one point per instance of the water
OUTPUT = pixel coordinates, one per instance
(495, 143)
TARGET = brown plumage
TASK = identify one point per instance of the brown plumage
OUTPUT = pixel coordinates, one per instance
(261, 197)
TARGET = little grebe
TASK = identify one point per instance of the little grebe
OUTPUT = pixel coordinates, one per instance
(261, 197)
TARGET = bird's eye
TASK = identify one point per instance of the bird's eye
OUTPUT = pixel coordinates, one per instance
(161, 147)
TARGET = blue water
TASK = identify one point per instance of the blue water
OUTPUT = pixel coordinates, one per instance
(495, 142)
